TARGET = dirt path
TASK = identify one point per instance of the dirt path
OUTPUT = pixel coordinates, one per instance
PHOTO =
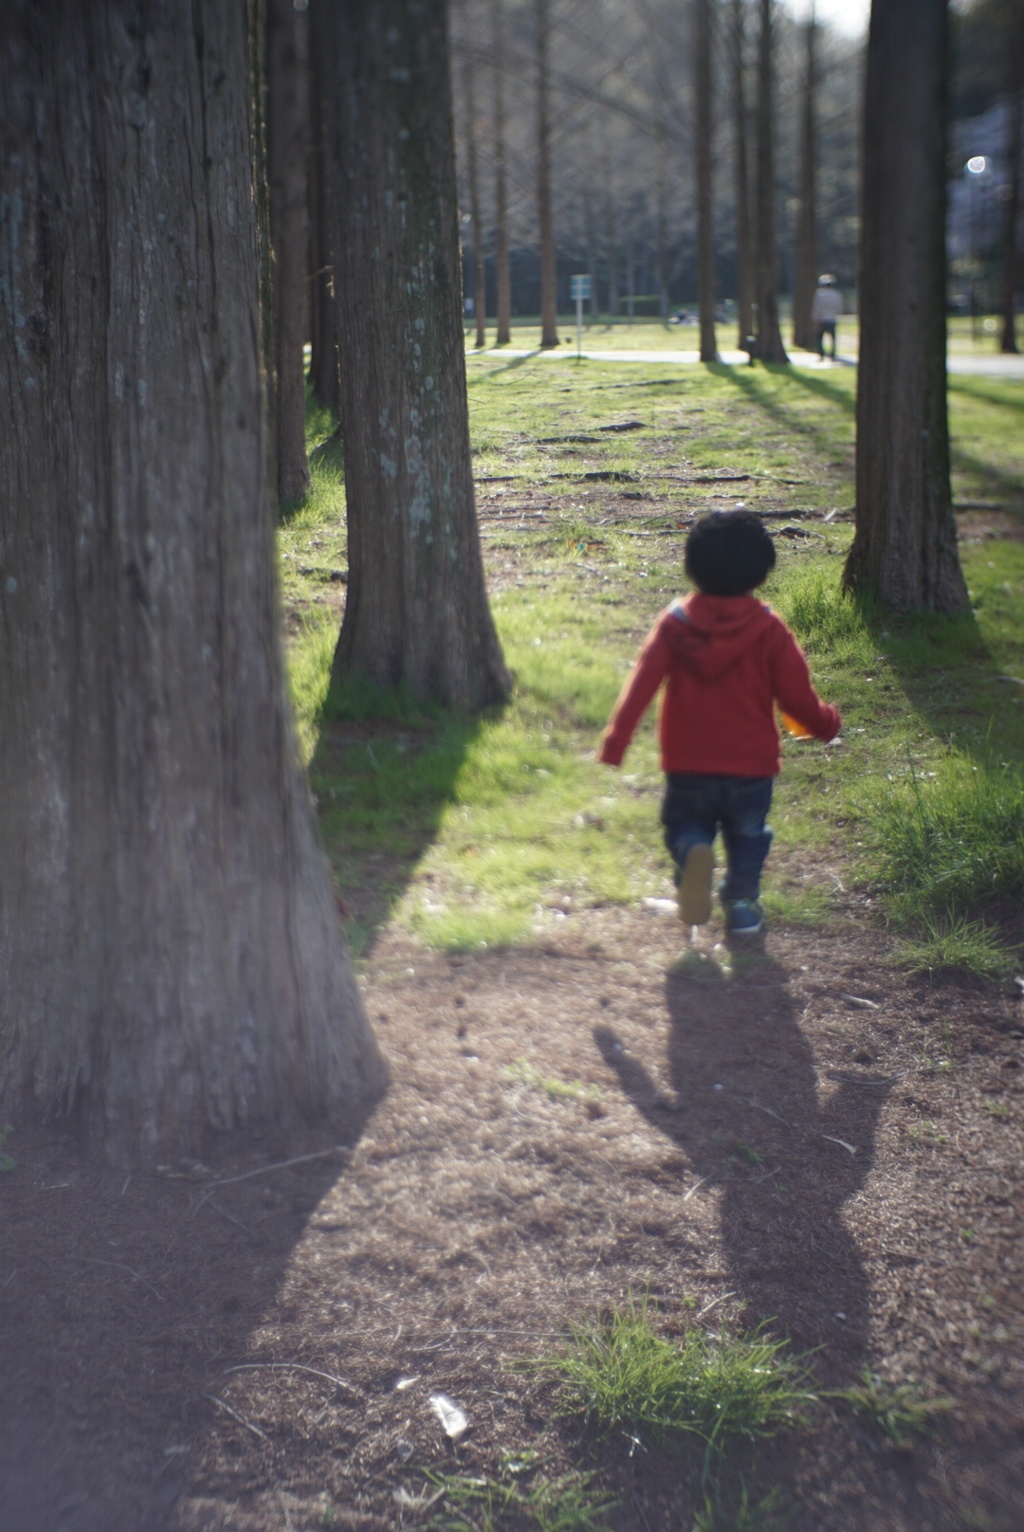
(567, 1125)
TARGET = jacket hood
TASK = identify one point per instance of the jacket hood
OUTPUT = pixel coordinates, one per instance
(709, 633)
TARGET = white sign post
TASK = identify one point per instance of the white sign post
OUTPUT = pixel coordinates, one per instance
(579, 289)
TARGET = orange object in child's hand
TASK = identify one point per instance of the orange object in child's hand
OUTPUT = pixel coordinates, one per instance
(796, 729)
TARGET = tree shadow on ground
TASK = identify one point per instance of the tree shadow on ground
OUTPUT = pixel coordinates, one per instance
(126, 1302)
(989, 478)
(784, 1144)
(818, 431)
(509, 366)
(953, 682)
(382, 786)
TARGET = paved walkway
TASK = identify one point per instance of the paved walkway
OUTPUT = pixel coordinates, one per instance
(994, 366)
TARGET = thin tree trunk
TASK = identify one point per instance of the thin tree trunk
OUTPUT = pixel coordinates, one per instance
(611, 238)
(545, 218)
(288, 146)
(744, 252)
(416, 613)
(173, 964)
(702, 154)
(904, 550)
(324, 372)
(662, 223)
(1011, 221)
(504, 284)
(588, 224)
(806, 255)
(769, 336)
(479, 269)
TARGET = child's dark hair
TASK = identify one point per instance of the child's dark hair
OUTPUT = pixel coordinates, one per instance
(729, 553)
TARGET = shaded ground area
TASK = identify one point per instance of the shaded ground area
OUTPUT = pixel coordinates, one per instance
(568, 1124)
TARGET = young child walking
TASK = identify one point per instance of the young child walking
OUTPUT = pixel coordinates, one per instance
(727, 661)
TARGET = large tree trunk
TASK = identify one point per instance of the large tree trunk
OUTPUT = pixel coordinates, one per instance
(806, 254)
(417, 612)
(287, 153)
(1011, 212)
(479, 269)
(545, 217)
(504, 284)
(904, 550)
(702, 154)
(172, 961)
(744, 251)
(769, 336)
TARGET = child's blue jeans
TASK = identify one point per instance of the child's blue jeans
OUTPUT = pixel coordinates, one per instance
(697, 806)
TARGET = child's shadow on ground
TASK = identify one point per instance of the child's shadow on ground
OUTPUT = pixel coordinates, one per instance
(763, 1124)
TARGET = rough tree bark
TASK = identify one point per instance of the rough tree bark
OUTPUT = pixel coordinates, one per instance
(744, 252)
(416, 612)
(173, 962)
(702, 154)
(324, 367)
(1011, 212)
(287, 154)
(479, 269)
(504, 284)
(545, 217)
(806, 254)
(769, 336)
(904, 549)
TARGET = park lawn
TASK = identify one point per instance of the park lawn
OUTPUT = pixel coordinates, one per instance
(588, 475)
(965, 337)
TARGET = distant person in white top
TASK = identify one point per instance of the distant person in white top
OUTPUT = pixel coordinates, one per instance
(825, 310)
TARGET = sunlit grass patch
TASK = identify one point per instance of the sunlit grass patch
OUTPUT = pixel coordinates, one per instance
(522, 1072)
(309, 671)
(620, 1373)
(900, 1411)
(952, 841)
(823, 616)
(797, 904)
(954, 945)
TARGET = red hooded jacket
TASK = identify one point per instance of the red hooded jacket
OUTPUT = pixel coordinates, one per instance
(726, 661)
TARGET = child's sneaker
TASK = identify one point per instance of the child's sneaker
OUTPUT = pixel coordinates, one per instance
(743, 917)
(694, 892)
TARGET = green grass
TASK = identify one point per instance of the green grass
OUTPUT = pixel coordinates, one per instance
(491, 831)
(954, 945)
(928, 776)
(521, 1497)
(620, 1373)
(723, 1512)
(646, 334)
(522, 1072)
(899, 1411)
